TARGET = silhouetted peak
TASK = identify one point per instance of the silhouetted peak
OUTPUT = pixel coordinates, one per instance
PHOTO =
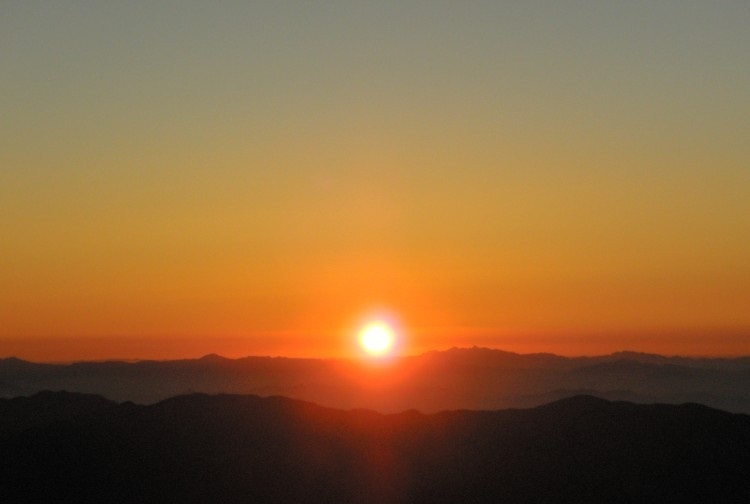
(577, 403)
(474, 353)
(12, 360)
(639, 356)
(218, 400)
(490, 357)
(16, 364)
(477, 350)
(65, 397)
(45, 407)
(212, 357)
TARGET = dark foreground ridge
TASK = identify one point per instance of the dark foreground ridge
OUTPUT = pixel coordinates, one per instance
(63, 447)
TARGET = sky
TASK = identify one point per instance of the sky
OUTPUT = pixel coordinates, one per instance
(261, 178)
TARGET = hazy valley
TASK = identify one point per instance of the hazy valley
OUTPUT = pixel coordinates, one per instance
(468, 378)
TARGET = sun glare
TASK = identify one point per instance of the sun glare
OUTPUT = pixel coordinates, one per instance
(377, 339)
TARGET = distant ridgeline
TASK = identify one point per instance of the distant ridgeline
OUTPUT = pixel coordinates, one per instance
(59, 447)
(473, 378)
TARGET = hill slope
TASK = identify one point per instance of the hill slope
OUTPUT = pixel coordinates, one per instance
(229, 448)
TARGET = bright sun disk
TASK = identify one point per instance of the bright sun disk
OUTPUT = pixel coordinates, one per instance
(377, 339)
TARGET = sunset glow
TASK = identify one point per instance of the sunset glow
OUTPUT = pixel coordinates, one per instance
(295, 251)
(250, 177)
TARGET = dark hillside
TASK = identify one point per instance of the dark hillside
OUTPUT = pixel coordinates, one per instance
(230, 448)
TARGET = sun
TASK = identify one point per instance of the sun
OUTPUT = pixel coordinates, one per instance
(377, 339)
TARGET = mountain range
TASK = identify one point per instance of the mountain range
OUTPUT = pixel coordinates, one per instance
(459, 378)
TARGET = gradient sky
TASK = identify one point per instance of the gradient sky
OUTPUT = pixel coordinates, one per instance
(259, 177)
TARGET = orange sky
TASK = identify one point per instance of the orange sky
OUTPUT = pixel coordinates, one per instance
(257, 179)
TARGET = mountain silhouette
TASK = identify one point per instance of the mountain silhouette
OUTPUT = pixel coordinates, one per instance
(459, 378)
(63, 447)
